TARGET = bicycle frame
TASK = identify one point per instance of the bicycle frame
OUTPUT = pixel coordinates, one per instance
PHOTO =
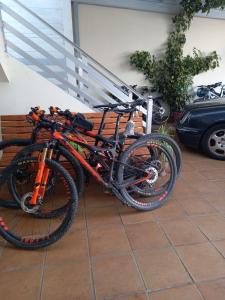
(97, 136)
(64, 139)
(212, 93)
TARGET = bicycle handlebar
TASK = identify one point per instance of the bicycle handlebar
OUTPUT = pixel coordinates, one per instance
(37, 116)
(129, 105)
(110, 105)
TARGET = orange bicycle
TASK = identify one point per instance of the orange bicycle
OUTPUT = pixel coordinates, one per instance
(39, 221)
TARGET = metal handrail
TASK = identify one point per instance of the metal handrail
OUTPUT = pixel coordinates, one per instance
(110, 84)
(89, 67)
(80, 50)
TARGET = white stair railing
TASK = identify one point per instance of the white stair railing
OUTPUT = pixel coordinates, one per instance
(30, 39)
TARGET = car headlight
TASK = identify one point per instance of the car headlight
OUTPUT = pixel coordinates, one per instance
(184, 118)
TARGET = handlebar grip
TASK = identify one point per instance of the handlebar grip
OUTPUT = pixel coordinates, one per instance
(101, 106)
(111, 105)
(123, 111)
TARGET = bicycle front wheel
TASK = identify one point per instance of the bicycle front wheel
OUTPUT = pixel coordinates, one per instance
(26, 227)
(146, 180)
(62, 156)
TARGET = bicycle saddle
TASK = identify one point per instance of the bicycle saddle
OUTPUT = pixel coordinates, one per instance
(81, 122)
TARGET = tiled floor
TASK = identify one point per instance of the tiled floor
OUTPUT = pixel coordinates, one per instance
(113, 252)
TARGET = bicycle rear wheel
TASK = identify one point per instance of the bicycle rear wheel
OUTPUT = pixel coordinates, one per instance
(166, 140)
(146, 182)
(27, 227)
(161, 111)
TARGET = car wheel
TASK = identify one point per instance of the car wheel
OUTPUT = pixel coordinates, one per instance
(213, 142)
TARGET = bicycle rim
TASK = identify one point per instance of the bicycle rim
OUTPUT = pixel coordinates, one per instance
(155, 190)
(28, 226)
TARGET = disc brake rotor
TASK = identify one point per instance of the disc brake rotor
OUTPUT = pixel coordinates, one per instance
(28, 208)
(154, 177)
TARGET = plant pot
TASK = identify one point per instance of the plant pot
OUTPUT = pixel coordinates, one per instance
(175, 116)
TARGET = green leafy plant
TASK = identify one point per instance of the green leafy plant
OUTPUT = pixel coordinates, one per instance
(76, 147)
(165, 129)
(171, 73)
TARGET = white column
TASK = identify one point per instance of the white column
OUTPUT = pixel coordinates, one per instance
(148, 128)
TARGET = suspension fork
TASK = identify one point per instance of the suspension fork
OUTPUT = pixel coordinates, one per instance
(46, 174)
(42, 175)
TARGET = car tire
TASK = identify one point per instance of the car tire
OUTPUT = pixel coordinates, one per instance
(213, 142)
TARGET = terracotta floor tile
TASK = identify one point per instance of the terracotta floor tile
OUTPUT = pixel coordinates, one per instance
(182, 232)
(195, 206)
(180, 196)
(67, 281)
(72, 246)
(195, 213)
(146, 235)
(204, 164)
(79, 222)
(81, 202)
(170, 210)
(213, 290)
(203, 261)
(192, 175)
(218, 202)
(100, 197)
(188, 292)
(135, 296)
(14, 258)
(115, 275)
(219, 186)
(132, 216)
(212, 226)
(21, 284)
(2, 242)
(108, 239)
(214, 174)
(207, 186)
(102, 216)
(186, 166)
(220, 245)
(161, 268)
(181, 189)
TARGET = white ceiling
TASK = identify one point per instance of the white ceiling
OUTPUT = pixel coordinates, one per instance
(165, 6)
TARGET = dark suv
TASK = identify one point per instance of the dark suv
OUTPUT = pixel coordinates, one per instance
(202, 126)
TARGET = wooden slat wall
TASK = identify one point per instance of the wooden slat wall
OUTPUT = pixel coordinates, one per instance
(16, 126)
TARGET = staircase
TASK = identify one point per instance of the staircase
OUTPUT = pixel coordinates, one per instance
(34, 42)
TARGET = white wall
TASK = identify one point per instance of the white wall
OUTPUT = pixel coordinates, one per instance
(208, 35)
(111, 35)
(27, 88)
(58, 14)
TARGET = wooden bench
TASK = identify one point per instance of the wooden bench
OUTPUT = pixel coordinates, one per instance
(16, 126)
